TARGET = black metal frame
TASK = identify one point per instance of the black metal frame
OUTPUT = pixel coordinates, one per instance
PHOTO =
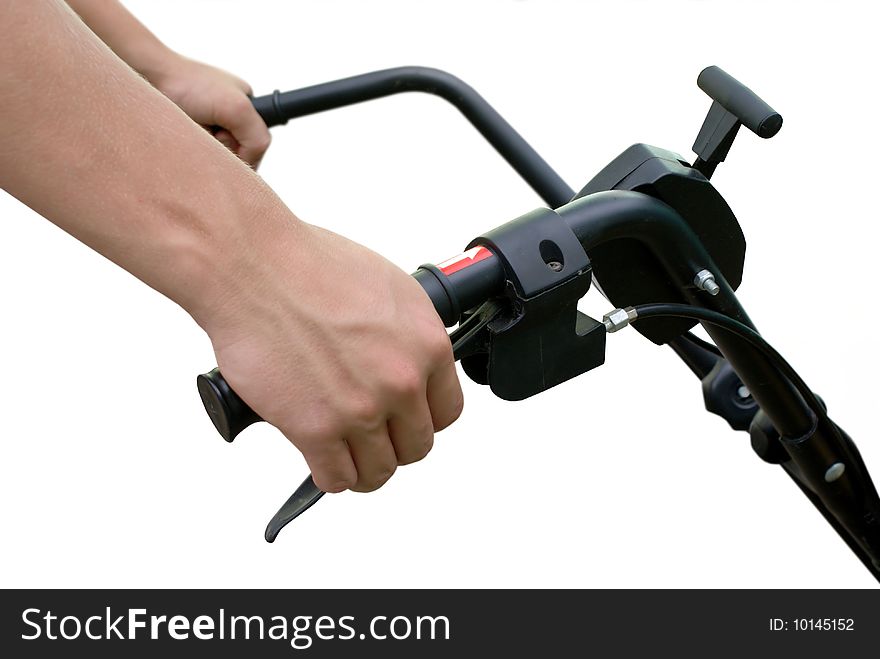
(789, 432)
(278, 108)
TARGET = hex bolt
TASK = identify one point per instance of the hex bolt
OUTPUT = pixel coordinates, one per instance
(834, 472)
(705, 281)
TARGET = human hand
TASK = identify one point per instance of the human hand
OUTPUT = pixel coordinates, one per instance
(321, 337)
(340, 350)
(217, 100)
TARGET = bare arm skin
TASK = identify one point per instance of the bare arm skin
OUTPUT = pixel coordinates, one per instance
(213, 98)
(323, 338)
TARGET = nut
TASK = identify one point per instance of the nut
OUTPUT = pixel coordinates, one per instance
(618, 319)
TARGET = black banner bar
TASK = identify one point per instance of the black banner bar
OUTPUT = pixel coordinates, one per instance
(438, 623)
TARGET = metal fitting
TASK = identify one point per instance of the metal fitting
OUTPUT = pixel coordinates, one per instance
(619, 318)
(705, 281)
(834, 472)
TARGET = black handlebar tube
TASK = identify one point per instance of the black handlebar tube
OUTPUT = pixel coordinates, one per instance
(812, 444)
(613, 215)
(606, 216)
(277, 108)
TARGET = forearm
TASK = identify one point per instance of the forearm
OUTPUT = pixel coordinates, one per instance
(94, 148)
(128, 174)
(125, 35)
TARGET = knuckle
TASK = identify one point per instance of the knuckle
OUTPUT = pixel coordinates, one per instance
(233, 110)
(313, 430)
(451, 412)
(458, 405)
(375, 480)
(407, 381)
(440, 349)
(364, 412)
(263, 141)
(240, 105)
(419, 447)
(333, 483)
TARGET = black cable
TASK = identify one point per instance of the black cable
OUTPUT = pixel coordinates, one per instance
(854, 537)
(747, 334)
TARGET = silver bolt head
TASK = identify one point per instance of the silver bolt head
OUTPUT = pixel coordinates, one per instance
(705, 281)
(834, 472)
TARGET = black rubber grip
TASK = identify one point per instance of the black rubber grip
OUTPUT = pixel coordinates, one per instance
(739, 100)
(227, 410)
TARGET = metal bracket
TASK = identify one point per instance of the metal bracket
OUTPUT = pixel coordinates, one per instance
(538, 338)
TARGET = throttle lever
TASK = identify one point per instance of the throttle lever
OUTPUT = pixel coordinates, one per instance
(303, 498)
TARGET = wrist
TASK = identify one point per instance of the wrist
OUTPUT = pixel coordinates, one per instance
(242, 260)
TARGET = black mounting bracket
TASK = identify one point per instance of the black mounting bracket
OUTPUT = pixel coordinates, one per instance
(723, 390)
(715, 139)
(536, 338)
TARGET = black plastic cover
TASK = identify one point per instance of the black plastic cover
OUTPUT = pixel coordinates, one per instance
(629, 272)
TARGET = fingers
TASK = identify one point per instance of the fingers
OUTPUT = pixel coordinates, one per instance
(367, 459)
(246, 126)
(243, 86)
(444, 396)
(373, 447)
(412, 431)
(374, 456)
(331, 464)
(226, 139)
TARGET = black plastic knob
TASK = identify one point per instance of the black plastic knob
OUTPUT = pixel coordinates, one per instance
(229, 413)
(740, 101)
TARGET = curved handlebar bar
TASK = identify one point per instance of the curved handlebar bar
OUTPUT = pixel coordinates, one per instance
(278, 107)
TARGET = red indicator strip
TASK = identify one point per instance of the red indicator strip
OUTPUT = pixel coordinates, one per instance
(463, 260)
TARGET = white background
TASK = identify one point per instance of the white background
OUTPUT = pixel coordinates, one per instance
(112, 475)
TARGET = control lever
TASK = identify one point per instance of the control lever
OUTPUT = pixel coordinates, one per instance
(733, 105)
